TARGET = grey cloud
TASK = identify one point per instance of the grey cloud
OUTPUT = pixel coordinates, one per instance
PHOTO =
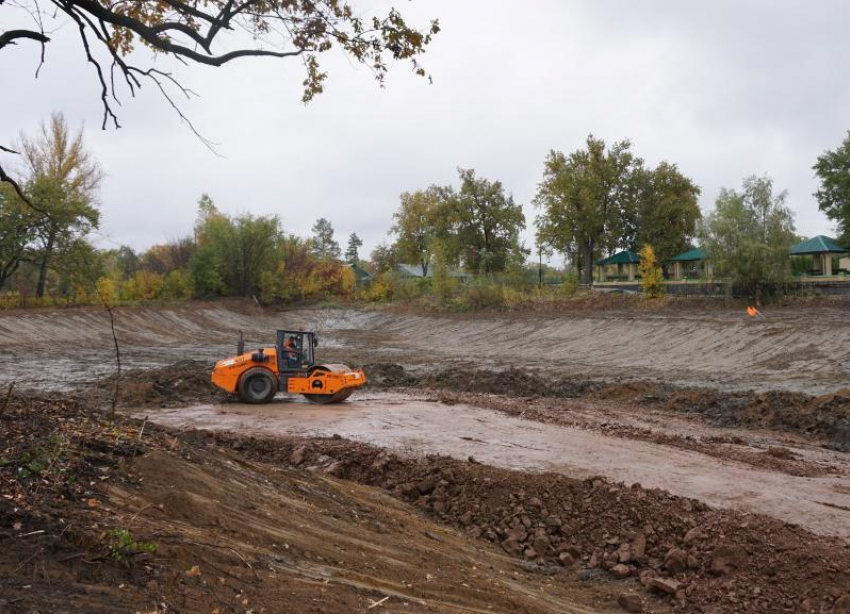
(722, 88)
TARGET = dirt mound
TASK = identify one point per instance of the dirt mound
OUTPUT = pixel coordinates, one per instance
(388, 375)
(181, 383)
(102, 517)
(699, 559)
(825, 417)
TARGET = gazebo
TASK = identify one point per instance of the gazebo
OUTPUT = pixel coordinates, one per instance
(821, 248)
(625, 259)
(696, 254)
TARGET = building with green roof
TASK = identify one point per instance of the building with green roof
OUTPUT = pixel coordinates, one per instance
(695, 259)
(821, 248)
(626, 263)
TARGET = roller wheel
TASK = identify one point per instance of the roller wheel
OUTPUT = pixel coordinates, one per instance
(327, 399)
(257, 385)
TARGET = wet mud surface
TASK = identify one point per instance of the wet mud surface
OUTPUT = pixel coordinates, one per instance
(416, 424)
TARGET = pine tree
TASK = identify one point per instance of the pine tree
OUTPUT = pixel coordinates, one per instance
(352, 252)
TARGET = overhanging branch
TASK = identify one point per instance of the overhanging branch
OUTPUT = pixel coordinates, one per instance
(10, 36)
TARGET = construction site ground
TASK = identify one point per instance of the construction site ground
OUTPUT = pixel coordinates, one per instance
(608, 459)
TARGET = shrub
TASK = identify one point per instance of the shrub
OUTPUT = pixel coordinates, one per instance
(651, 280)
(482, 295)
(570, 284)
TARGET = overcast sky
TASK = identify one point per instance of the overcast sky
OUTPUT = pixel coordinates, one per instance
(724, 89)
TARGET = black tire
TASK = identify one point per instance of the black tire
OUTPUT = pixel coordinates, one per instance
(257, 385)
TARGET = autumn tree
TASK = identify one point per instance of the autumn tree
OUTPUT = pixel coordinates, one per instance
(62, 183)
(486, 223)
(383, 259)
(833, 195)
(749, 234)
(167, 257)
(214, 33)
(416, 224)
(352, 252)
(586, 199)
(323, 242)
(651, 276)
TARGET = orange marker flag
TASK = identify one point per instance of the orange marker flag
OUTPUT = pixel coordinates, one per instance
(753, 312)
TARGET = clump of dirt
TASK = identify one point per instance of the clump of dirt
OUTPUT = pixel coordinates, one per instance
(388, 375)
(181, 383)
(826, 417)
(697, 558)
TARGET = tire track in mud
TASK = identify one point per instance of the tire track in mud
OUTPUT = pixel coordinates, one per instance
(788, 352)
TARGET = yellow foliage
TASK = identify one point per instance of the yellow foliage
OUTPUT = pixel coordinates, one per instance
(651, 279)
(107, 291)
(143, 286)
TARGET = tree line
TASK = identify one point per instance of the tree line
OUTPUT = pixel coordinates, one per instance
(590, 202)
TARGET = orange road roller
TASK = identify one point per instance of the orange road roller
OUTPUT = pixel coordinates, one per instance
(288, 366)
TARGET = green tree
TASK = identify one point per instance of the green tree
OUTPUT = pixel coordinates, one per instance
(651, 277)
(232, 253)
(442, 284)
(486, 224)
(748, 235)
(667, 211)
(587, 199)
(206, 279)
(63, 180)
(324, 245)
(352, 252)
(126, 261)
(17, 231)
(416, 225)
(833, 171)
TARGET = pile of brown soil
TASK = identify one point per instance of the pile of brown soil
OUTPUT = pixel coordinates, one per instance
(676, 549)
(103, 517)
(181, 383)
(825, 417)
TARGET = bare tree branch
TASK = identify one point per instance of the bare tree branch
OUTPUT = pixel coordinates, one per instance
(10, 36)
(187, 31)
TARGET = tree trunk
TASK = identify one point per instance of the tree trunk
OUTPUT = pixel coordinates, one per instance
(42, 268)
(588, 263)
(424, 264)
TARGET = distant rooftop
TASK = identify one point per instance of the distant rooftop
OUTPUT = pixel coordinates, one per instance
(818, 245)
(623, 257)
(692, 255)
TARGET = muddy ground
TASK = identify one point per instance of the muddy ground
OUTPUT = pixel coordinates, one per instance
(100, 516)
(802, 349)
(561, 485)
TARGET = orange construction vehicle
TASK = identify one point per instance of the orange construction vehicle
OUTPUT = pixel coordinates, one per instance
(288, 366)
